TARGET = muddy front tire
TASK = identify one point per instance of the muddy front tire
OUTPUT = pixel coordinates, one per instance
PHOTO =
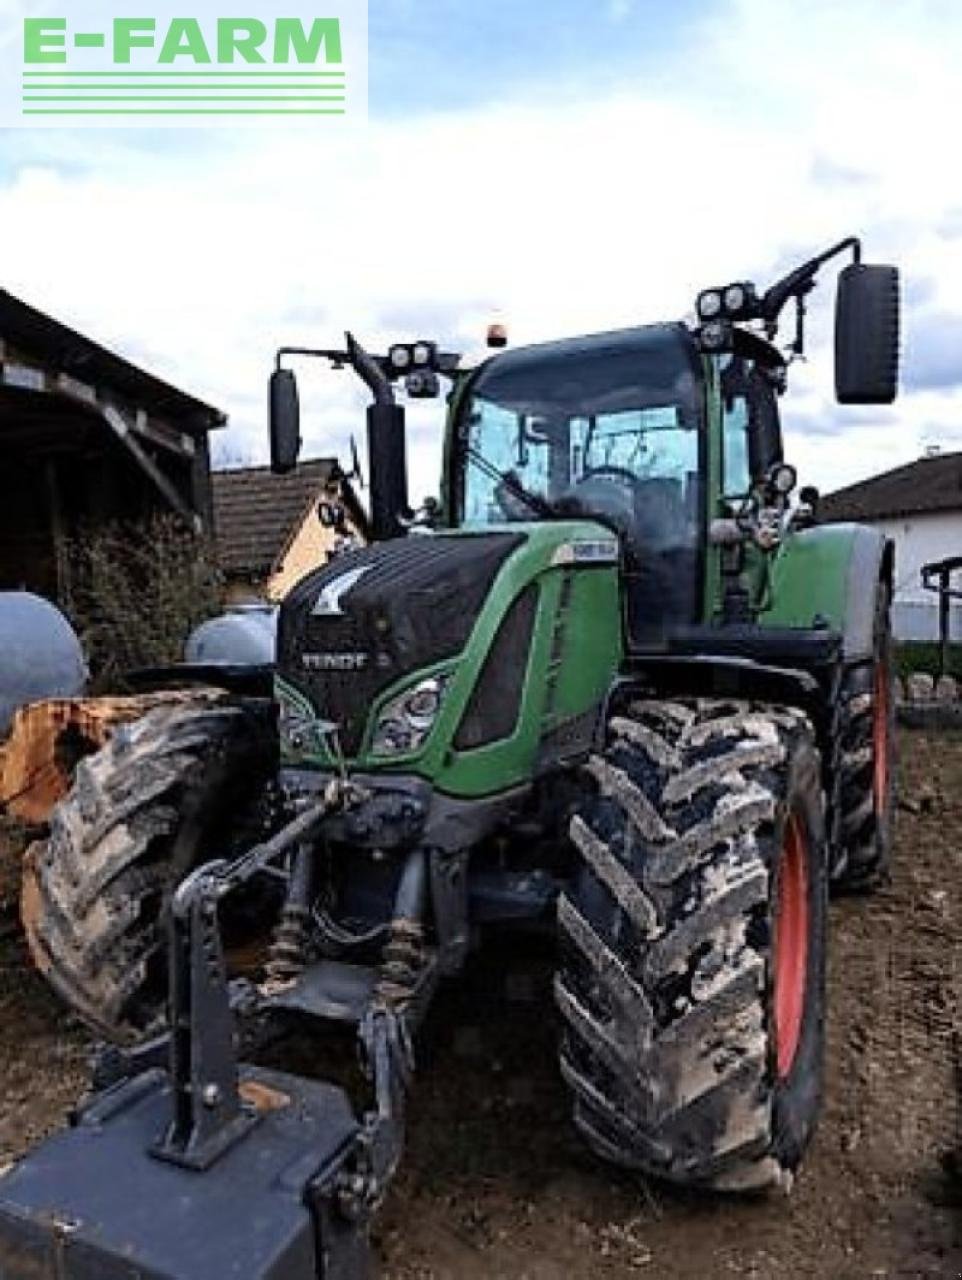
(161, 796)
(692, 978)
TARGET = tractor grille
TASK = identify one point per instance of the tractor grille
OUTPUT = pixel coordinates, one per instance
(385, 612)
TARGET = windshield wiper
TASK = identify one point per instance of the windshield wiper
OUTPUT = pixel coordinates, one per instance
(534, 501)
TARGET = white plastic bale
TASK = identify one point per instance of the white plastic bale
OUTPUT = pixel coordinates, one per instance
(40, 654)
(246, 635)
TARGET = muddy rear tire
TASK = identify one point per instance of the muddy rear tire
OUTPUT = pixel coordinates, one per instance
(160, 797)
(692, 978)
(863, 765)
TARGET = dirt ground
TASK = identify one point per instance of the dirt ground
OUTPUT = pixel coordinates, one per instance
(496, 1184)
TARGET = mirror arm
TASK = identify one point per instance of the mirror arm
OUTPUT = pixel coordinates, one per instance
(802, 280)
(798, 345)
(336, 357)
(364, 365)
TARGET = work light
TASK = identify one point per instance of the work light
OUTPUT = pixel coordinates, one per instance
(740, 300)
(782, 478)
(422, 384)
(716, 336)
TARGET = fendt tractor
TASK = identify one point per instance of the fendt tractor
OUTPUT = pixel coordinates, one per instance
(616, 680)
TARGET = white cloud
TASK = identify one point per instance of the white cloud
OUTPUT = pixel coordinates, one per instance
(600, 212)
(620, 10)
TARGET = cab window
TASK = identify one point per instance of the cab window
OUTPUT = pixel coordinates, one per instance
(751, 437)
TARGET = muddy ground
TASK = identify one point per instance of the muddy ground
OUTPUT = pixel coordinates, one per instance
(496, 1184)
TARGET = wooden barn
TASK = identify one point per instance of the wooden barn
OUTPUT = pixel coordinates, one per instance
(87, 438)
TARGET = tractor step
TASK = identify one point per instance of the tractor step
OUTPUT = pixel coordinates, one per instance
(330, 990)
(94, 1202)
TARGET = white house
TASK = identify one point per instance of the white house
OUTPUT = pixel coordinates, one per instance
(918, 506)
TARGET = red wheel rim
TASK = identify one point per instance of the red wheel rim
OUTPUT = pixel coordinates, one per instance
(791, 945)
(880, 737)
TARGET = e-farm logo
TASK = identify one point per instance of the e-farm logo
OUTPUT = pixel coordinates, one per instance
(100, 66)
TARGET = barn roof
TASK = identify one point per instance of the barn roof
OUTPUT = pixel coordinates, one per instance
(929, 484)
(36, 334)
(257, 513)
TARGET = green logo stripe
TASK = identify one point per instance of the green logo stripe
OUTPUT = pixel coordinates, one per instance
(193, 75)
(185, 111)
(180, 97)
(186, 86)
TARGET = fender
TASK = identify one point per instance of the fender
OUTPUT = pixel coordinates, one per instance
(829, 577)
(713, 675)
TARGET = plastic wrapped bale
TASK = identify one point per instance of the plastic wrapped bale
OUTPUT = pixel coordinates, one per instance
(246, 635)
(40, 654)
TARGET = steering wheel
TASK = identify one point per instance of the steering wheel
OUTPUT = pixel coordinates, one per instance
(595, 492)
(619, 473)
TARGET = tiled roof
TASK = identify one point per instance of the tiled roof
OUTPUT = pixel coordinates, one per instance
(256, 513)
(926, 485)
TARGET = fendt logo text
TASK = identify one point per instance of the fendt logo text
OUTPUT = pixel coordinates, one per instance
(100, 66)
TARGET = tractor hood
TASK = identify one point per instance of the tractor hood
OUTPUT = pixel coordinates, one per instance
(371, 617)
(505, 639)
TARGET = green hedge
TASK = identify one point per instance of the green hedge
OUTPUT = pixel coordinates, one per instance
(135, 594)
(912, 655)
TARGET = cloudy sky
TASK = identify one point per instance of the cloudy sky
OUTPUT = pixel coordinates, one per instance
(564, 166)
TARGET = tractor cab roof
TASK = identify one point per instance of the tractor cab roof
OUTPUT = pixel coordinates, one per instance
(642, 340)
(596, 373)
(672, 343)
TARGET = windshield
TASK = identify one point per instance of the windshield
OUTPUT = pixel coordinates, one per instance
(607, 427)
(609, 424)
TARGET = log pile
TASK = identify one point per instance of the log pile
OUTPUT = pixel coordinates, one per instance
(47, 740)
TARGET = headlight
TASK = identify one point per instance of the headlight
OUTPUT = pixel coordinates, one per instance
(735, 298)
(423, 353)
(709, 304)
(400, 356)
(301, 732)
(406, 721)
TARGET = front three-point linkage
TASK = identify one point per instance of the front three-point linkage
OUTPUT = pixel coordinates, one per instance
(210, 1017)
(215, 1166)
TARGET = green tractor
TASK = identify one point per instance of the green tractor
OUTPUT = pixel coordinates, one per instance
(616, 680)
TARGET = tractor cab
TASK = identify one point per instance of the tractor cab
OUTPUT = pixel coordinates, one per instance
(620, 428)
(611, 428)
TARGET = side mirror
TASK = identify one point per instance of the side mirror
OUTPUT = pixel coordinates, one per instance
(285, 421)
(867, 335)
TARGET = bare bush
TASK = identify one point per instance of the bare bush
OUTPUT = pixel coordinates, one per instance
(136, 591)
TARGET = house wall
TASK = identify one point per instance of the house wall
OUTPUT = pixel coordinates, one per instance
(919, 540)
(311, 546)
